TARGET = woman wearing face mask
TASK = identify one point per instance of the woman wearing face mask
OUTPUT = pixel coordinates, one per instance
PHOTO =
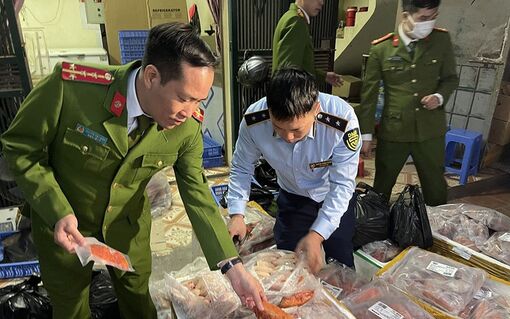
(417, 68)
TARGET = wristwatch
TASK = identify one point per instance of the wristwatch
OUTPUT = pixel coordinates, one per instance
(229, 264)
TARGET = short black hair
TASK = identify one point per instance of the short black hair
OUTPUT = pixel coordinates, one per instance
(413, 6)
(292, 93)
(170, 44)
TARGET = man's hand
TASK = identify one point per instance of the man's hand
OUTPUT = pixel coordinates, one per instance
(430, 102)
(236, 226)
(246, 287)
(66, 233)
(310, 246)
(334, 79)
(366, 149)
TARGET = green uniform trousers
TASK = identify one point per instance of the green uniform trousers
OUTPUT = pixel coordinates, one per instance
(428, 157)
(67, 281)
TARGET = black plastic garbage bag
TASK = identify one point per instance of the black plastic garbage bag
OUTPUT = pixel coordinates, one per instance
(25, 300)
(19, 247)
(372, 216)
(409, 223)
(102, 298)
(265, 175)
(258, 194)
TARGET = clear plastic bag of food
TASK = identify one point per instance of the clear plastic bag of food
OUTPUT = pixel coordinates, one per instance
(491, 301)
(486, 216)
(465, 231)
(259, 233)
(102, 254)
(159, 193)
(340, 280)
(384, 250)
(378, 300)
(272, 267)
(441, 282)
(498, 246)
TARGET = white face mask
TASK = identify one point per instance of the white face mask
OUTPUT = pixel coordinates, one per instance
(421, 29)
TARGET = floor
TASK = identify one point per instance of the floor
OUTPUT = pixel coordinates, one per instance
(174, 244)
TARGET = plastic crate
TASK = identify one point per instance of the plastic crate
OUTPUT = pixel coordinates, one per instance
(211, 148)
(19, 269)
(132, 44)
(213, 161)
(218, 191)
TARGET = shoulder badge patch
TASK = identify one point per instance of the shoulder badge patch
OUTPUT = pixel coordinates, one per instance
(351, 139)
(332, 121)
(256, 117)
(199, 115)
(383, 38)
(441, 29)
(118, 104)
(81, 73)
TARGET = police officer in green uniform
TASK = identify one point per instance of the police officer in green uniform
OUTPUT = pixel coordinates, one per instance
(83, 175)
(292, 43)
(417, 67)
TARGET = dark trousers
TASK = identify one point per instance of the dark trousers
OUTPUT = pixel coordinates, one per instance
(296, 215)
(428, 157)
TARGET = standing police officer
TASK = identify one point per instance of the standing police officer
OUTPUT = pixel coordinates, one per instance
(82, 175)
(417, 67)
(292, 43)
(311, 139)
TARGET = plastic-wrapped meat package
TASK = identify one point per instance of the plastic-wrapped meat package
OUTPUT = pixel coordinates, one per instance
(159, 193)
(272, 267)
(195, 292)
(441, 282)
(491, 301)
(486, 216)
(384, 250)
(161, 299)
(340, 280)
(465, 231)
(259, 235)
(102, 254)
(498, 246)
(378, 300)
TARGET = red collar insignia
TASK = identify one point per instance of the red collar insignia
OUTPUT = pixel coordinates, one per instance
(80, 73)
(118, 104)
(395, 40)
(199, 115)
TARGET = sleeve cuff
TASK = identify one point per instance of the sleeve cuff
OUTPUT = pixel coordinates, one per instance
(366, 137)
(236, 207)
(440, 98)
(323, 227)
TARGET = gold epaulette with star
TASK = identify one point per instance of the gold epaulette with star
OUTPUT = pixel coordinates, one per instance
(383, 38)
(441, 29)
(256, 117)
(199, 115)
(81, 73)
(332, 121)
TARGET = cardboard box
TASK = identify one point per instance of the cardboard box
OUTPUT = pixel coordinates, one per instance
(138, 15)
(491, 154)
(499, 132)
(351, 87)
(502, 110)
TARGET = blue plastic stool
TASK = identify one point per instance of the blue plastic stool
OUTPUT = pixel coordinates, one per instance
(472, 142)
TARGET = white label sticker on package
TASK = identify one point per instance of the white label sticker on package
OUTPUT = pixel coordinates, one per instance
(461, 252)
(442, 269)
(383, 311)
(505, 237)
(334, 290)
(483, 293)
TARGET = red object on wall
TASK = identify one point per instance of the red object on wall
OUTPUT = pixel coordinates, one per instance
(350, 16)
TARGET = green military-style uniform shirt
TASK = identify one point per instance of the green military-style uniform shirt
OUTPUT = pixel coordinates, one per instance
(68, 149)
(407, 79)
(292, 43)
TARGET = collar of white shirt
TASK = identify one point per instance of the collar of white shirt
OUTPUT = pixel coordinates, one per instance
(306, 14)
(405, 38)
(133, 105)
